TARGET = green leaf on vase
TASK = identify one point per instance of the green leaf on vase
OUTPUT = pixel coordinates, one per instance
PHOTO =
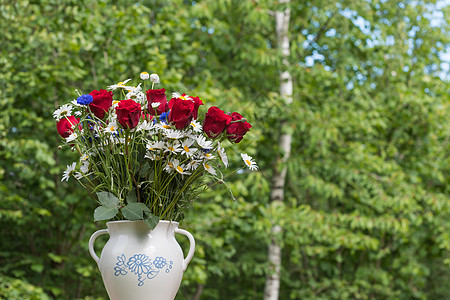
(105, 213)
(131, 197)
(133, 211)
(151, 220)
(108, 199)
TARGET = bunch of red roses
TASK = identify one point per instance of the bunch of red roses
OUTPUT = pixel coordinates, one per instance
(181, 111)
(139, 145)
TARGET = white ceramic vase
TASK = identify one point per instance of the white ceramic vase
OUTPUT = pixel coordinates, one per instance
(142, 264)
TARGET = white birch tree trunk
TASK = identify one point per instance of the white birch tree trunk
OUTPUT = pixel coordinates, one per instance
(282, 17)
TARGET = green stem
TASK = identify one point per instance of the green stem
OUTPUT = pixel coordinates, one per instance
(128, 164)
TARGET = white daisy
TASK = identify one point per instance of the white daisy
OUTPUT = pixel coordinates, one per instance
(180, 168)
(172, 148)
(120, 85)
(186, 147)
(71, 137)
(111, 127)
(137, 96)
(78, 175)
(208, 156)
(146, 126)
(196, 126)
(209, 169)
(171, 165)
(193, 164)
(249, 162)
(156, 104)
(115, 103)
(162, 127)
(178, 95)
(156, 146)
(173, 134)
(223, 156)
(154, 78)
(69, 172)
(64, 111)
(75, 103)
(152, 156)
(203, 143)
(84, 160)
(144, 76)
(77, 113)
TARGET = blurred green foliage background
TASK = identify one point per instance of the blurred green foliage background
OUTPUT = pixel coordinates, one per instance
(366, 214)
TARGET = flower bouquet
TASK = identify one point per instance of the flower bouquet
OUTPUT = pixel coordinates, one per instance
(143, 157)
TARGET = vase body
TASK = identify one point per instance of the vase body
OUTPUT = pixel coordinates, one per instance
(139, 263)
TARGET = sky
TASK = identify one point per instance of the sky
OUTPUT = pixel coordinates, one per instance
(436, 18)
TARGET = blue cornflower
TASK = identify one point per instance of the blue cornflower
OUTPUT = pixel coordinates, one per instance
(85, 99)
(163, 117)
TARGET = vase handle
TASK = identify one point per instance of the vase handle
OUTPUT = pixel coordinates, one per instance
(191, 246)
(91, 243)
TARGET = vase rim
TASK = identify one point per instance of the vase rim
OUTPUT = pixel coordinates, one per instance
(128, 221)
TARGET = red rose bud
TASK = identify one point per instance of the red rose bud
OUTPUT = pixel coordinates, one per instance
(215, 122)
(157, 96)
(197, 103)
(101, 103)
(180, 112)
(66, 126)
(128, 113)
(237, 128)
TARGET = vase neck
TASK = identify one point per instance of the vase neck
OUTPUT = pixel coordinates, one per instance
(140, 228)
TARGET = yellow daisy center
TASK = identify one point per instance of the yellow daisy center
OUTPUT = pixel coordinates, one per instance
(207, 167)
(180, 169)
(248, 162)
(166, 126)
(171, 148)
(186, 148)
(144, 73)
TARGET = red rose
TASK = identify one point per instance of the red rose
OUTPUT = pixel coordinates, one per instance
(197, 103)
(215, 122)
(66, 126)
(101, 103)
(180, 112)
(128, 113)
(237, 129)
(157, 96)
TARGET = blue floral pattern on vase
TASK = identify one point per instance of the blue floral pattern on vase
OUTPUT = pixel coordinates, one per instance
(141, 265)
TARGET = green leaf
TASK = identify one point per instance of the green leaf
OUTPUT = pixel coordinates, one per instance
(151, 220)
(105, 213)
(108, 199)
(133, 211)
(131, 197)
(144, 169)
